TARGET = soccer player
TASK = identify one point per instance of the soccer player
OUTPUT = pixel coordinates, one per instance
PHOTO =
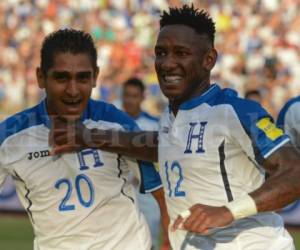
(132, 98)
(289, 120)
(78, 200)
(254, 94)
(214, 148)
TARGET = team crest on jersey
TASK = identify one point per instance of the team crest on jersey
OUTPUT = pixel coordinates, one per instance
(269, 128)
(197, 136)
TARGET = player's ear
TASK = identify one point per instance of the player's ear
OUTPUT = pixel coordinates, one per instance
(210, 59)
(96, 73)
(40, 78)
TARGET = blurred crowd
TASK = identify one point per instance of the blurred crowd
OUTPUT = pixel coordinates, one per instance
(258, 43)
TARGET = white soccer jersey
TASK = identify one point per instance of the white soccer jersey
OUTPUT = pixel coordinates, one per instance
(79, 200)
(147, 122)
(289, 120)
(147, 203)
(210, 153)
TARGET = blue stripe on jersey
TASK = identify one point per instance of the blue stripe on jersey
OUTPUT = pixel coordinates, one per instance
(20, 121)
(283, 111)
(98, 110)
(150, 178)
(204, 98)
(37, 115)
(248, 112)
(148, 116)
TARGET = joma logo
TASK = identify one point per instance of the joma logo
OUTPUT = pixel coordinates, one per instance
(38, 154)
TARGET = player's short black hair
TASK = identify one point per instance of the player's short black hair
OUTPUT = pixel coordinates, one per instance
(67, 40)
(197, 19)
(136, 82)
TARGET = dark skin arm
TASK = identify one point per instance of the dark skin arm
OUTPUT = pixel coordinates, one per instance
(280, 189)
(69, 137)
(165, 220)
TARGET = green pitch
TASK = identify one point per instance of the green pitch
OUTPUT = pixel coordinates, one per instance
(16, 233)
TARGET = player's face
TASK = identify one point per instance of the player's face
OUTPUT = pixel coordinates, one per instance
(183, 60)
(68, 84)
(132, 99)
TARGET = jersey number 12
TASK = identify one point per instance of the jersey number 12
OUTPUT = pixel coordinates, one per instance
(175, 167)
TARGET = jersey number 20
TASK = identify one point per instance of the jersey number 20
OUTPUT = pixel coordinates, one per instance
(80, 180)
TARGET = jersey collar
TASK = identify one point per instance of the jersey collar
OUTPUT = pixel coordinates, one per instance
(43, 113)
(205, 97)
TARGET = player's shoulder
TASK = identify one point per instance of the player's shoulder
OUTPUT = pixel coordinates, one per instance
(245, 111)
(291, 104)
(149, 117)
(101, 111)
(241, 106)
(20, 121)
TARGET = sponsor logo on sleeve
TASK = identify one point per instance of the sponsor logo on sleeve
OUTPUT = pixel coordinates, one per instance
(269, 128)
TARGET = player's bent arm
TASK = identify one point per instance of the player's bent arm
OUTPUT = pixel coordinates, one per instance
(160, 198)
(140, 145)
(65, 138)
(282, 187)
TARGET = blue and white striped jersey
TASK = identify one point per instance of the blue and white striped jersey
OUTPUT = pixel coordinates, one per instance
(79, 200)
(211, 152)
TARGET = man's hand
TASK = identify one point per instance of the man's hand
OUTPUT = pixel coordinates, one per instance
(203, 218)
(68, 137)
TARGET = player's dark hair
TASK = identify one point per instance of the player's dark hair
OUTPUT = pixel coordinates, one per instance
(136, 82)
(192, 17)
(67, 40)
(251, 92)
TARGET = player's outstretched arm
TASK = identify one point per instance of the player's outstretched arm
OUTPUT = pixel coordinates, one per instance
(67, 137)
(282, 187)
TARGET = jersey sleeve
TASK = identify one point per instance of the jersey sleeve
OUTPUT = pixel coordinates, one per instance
(146, 176)
(3, 173)
(149, 179)
(260, 136)
(289, 120)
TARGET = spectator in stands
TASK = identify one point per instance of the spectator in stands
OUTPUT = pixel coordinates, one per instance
(254, 95)
(133, 96)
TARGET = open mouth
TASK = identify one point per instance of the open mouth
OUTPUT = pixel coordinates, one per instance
(71, 102)
(172, 79)
(72, 105)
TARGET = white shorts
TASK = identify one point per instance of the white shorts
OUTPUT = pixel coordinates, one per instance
(260, 232)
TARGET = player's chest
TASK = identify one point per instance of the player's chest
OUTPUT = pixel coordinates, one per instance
(192, 136)
(37, 167)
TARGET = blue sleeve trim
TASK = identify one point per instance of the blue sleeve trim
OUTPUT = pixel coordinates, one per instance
(150, 179)
(28, 118)
(150, 117)
(283, 111)
(249, 113)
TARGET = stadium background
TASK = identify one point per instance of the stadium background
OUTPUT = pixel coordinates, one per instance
(258, 43)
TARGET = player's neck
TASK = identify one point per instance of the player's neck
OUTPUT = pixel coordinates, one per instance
(174, 104)
(134, 113)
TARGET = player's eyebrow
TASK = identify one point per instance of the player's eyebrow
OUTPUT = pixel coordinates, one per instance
(84, 74)
(58, 74)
